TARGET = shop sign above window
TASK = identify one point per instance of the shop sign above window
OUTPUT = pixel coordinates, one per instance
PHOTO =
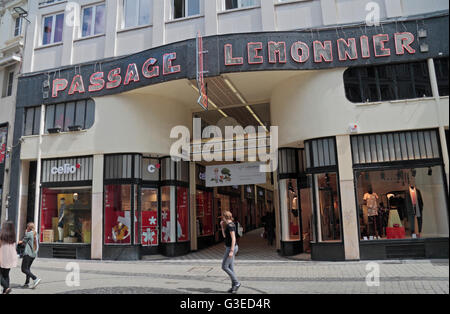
(67, 170)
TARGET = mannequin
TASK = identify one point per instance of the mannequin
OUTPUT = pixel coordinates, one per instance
(414, 206)
(61, 219)
(371, 200)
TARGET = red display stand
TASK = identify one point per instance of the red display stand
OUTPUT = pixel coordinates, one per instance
(396, 233)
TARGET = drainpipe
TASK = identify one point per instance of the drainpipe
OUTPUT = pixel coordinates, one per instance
(38, 169)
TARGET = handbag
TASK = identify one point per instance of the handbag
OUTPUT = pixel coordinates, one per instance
(20, 248)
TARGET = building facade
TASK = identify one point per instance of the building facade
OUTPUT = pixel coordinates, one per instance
(361, 109)
(12, 38)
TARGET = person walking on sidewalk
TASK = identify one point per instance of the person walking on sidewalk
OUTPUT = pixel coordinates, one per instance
(8, 254)
(229, 233)
(29, 255)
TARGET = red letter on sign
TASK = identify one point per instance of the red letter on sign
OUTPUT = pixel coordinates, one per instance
(114, 79)
(132, 74)
(229, 60)
(323, 51)
(403, 41)
(154, 72)
(58, 86)
(277, 49)
(253, 56)
(378, 45)
(77, 85)
(168, 68)
(97, 82)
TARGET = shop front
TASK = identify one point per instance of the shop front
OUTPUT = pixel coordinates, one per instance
(401, 195)
(206, 217)
(66, 208)
(146, 207)
(3, 141)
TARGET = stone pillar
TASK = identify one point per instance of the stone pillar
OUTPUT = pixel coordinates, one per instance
(329, 12)
(193, 205)
(159, 20)
(268, 16)
(112, 26)
(211, 25)
(348, 201)
(97, 209)
(276, 205)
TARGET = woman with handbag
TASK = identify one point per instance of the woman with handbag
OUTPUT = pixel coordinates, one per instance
(8, 254)
(30, 253)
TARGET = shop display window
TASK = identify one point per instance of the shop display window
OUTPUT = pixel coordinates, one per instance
(182, 214)
(306, 201)
(204, 213)
(149, 217)
(118, 213)
(327, 196)
(290, 212)
(402, 204)
(167, 209)
(66, 215)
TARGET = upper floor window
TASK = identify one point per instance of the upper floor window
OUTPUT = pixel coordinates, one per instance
(136, 12)
(8, 82)
(52, 29)
(237, 4)
(185, 8)
(63, 117)
(32, 121)
(94, 20)
(441, 66)
(388, 82)
(18, 27)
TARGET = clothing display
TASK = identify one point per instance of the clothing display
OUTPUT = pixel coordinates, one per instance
(414, 208)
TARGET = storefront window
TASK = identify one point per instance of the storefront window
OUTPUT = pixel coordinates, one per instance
(118, 214)
(167, 211)
(306, 201)
(182, 214)
(290, 213)
(402, 204)
(328, 209)
(66, 215)
(149, 217)
(204, 213)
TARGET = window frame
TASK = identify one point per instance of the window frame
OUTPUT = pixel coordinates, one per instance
(185, 10)
(239, 5)
(50, 120)
(136, 17)
(9, 83)
(17, 30)
(53, 31)
(93, 21)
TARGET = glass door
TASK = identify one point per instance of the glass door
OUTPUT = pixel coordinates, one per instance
(149, 217)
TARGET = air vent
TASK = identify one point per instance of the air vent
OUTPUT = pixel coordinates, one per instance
(66, 253)
(405, 251)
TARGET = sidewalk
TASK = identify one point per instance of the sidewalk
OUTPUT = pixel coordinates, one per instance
(257, 277)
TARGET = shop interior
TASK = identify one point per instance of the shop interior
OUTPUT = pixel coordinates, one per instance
(402, 204)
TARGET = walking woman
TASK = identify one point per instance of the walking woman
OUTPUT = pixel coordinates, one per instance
(8, 254)
(229, 233)
(30, 242)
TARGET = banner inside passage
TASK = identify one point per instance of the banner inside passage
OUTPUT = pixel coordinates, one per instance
(235, 174)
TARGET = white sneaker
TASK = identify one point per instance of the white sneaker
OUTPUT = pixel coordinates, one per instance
(35, 283)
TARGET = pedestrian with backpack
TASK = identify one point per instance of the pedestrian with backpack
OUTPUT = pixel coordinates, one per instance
(29, 255)
(8, 254)
(229, 233)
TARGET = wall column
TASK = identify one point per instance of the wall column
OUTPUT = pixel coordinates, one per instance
(276, 206)
(97, 209)
(348, 201)
(193, 205)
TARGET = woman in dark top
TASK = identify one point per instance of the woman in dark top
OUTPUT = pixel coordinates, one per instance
(229, 233)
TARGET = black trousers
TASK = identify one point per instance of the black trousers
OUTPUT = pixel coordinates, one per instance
(26, 266)
(4, 272)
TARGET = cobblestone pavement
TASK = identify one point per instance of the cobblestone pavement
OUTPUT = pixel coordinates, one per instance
(260, 269)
